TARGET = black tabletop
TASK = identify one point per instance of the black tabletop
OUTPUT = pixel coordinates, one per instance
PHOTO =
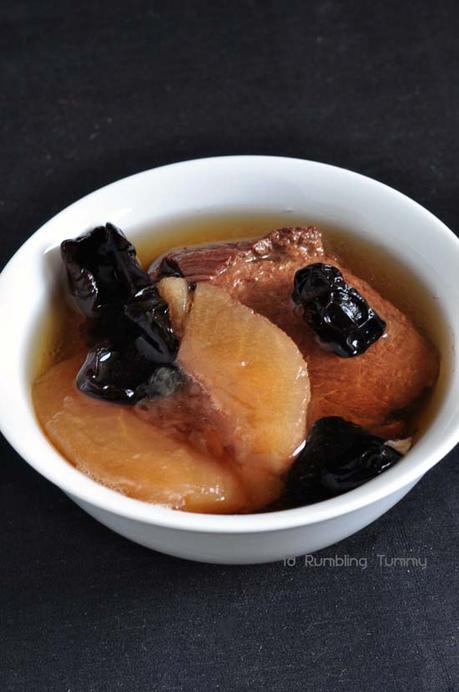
(94, 91)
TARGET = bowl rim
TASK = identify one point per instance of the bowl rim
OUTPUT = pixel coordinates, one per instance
(83, 489)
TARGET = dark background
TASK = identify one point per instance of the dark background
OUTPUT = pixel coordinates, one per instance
(94, 91)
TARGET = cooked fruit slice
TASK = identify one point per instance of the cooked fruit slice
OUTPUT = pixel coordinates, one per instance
(177, 295)
(252, 371)
(219, 443)
(114, 446)
(190, 417)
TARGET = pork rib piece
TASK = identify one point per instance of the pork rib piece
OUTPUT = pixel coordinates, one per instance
(376, 389)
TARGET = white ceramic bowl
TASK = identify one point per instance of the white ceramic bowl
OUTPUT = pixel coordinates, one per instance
(270, 185)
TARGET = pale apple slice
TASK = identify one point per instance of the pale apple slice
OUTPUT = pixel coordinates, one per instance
(222, 452)
(175, 292)
(254, 374)
(110, 443)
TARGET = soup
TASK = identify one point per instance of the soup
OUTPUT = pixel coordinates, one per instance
(247, 389)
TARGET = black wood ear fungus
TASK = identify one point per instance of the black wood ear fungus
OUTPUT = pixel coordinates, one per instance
(128, 323)
(338, 456)
(102, 269)
(112, 374)
(148, 327)
(338, 314)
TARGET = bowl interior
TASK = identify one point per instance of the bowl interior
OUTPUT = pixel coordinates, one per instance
(155, 202)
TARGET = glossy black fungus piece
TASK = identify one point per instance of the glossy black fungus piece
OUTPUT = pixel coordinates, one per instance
(147, 326)
(102, 269)
(114, 375)
(338, 456)
(129, 345)
(128, 329)
(125, 376)
(316, 281)
(143, 320)
(338, 314)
